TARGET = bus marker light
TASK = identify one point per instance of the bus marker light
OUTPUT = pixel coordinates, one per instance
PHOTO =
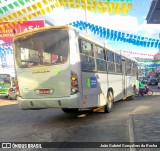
(74, 90)
(74, 84)
(44, 91)
(51, 91)
(73, 78)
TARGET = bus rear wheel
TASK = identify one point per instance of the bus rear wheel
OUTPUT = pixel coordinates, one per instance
(67, 110)
(108, 107)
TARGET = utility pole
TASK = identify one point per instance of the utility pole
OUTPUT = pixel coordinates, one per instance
(86, 13)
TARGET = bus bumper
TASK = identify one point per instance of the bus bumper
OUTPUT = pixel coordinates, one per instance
(66, 102)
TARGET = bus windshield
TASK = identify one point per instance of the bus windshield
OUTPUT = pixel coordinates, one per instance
(42, 48)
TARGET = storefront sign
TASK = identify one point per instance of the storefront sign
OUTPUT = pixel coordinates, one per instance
(7, 35)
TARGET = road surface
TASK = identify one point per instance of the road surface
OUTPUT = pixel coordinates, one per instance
(52, 125)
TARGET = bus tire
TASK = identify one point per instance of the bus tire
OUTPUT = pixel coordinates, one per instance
(108, 107)
(67, 110)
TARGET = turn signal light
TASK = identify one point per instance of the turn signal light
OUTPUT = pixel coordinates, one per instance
(74, 83)
(73, 78)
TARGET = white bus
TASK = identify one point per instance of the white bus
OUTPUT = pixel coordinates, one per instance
(62, 67)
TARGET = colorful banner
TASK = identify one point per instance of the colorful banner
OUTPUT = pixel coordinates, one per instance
(101, 6)
(28, 13)
(7, 35)
(110, 34)
(110, 6)
(13, 5)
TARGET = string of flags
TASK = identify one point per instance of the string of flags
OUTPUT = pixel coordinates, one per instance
(13, 5)
(6, 48)
(148, 61)
(25, 14)
(140, 58)
(137, 53)
(114, 35)
(100, 6)
(112, 6)
(149, 65)
(6, 44)
(37, 8)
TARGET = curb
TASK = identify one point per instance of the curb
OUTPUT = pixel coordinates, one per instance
(131, 131)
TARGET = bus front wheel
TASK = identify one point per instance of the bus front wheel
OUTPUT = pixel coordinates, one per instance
(67, 110)
(109, 105)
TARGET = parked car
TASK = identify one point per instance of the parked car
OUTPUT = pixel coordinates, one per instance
(140, 79)
(153, 82)
(12, 93)
(145, 80)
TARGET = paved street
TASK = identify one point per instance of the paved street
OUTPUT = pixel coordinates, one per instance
(52, 125)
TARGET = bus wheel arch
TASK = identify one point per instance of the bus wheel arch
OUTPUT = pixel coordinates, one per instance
(110, 98)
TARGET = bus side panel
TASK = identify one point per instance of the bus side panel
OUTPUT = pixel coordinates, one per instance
(75, 65)
(131, 81)
(115, 82)
(102, 81)
(93, 89)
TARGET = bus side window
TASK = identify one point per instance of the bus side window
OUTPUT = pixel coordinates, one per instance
(111, 64)
(80, 47)
(100, 59)
(87, 55)
(118, 64)
(86, 48)
(105, 53)
(128, 67)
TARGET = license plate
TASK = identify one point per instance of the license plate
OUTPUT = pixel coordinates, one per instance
(44, 91)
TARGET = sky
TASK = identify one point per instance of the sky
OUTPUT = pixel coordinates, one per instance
(133, 23)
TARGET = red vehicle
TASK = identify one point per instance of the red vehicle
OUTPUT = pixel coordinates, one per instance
(148, 91)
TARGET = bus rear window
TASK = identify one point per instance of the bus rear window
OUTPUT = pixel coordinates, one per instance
(42, 48)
